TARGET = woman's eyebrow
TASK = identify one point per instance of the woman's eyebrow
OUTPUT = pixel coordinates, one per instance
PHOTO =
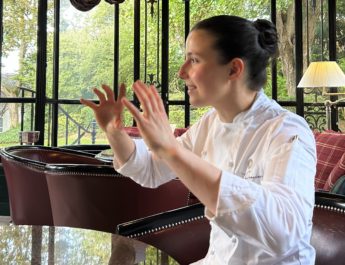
(188, 54)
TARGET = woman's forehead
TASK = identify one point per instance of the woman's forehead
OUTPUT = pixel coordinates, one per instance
(198, 41)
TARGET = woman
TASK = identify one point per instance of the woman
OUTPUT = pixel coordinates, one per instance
(249, 161)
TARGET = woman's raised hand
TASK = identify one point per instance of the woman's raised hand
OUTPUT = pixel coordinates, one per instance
(153, 122)
(108, 112)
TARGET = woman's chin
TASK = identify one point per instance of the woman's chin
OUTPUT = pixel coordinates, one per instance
(197, 103)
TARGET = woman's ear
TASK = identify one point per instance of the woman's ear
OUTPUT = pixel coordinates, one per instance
(236, 68)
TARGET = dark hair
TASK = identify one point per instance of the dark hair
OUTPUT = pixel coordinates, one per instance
(254, 42)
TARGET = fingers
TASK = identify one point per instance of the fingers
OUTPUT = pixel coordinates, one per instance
(100, 95)
(109, 92)
(158, 100)
(102, 98)
(148, 97)
(153, 99)
(88, 103)
(122, 92)
(132, 109)
(140, 90)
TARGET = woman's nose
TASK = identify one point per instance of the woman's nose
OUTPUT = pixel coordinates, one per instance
(182, 73)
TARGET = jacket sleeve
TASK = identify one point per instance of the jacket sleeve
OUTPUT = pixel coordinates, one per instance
(146, 169)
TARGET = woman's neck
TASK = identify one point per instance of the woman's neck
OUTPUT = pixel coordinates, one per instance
(239, 100)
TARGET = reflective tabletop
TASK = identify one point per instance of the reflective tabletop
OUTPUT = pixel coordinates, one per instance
(68, 246)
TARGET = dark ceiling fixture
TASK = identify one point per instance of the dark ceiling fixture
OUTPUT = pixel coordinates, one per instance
(86, 5)
(115, 1)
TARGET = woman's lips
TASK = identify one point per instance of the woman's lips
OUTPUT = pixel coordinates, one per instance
(191, 88)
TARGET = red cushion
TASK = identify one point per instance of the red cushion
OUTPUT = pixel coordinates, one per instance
(180, 131)
(336, 173)
(330, 147)
(134, 131)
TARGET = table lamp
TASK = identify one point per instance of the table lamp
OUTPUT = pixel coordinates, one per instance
(324, 74)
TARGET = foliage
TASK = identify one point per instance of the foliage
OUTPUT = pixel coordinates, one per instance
(86, 49)
(283, 4)
(10, 137)
(86, 43)
(20, 28)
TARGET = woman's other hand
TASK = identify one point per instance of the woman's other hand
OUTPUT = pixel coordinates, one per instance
(153, 122)
(108, 112)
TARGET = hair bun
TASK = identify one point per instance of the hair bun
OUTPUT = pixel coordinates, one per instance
(267, 37)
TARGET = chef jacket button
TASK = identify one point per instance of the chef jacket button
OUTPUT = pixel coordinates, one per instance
(250, 163)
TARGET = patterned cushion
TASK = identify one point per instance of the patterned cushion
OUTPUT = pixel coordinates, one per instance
(330, 147)
(335, 174)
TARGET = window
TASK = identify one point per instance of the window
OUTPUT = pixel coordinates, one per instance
(43, 76)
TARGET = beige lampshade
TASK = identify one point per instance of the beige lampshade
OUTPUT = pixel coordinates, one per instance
(323, 74)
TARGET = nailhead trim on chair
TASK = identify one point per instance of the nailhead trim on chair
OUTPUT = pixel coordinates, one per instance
(86, 174)
(167, 226)
(41, 167)
(34, 166)
(331, 208)
(188, 198)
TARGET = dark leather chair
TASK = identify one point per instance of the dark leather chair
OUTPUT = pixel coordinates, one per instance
(26, 182)
(88, 148)
(184, 233)
(97, 197)
(4, 202)
(181, 233)
(328, 236)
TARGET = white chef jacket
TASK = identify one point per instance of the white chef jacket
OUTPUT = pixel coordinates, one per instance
(265, 203)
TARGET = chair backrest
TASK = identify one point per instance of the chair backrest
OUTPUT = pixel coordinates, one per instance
(328, 237)
(97, 197)
(42, 155)
(184, 233)
(4, 202)
(89, 148)
(26, 182)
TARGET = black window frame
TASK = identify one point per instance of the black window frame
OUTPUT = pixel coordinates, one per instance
(41, 102)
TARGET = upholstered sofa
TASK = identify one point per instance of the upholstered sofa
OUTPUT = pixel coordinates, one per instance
(330, 168)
